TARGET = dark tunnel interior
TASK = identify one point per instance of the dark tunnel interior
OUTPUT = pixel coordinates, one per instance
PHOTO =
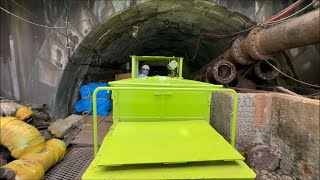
(106, 50)
(166, 34)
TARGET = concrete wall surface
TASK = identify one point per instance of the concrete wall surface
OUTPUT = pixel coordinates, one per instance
(289, 124)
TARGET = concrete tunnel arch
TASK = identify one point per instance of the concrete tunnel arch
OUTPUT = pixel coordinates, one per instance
(164, 28)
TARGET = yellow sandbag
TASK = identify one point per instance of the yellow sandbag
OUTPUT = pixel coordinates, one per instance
(57, 146)
(24, 113)
(26, 170)
(5, 120)
(53, 152)
(19, 137)
(44, 157)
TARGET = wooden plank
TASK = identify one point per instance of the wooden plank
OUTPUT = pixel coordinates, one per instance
(122, 76)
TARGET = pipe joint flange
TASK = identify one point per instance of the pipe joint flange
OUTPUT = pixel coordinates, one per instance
(251, 44)
(223, 71)
(238, 54)
(264, 71)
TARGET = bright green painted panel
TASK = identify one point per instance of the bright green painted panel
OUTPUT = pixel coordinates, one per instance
(137, 106)
(157, 105)
(186, 105)
(218, 170)
(165, 142)
(161, 81)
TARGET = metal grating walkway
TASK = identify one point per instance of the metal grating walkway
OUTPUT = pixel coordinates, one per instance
(72, 166)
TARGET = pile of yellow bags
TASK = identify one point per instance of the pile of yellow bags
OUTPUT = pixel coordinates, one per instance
(19, 137)
(27, 145)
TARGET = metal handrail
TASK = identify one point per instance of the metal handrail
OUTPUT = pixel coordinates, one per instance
(94, 102)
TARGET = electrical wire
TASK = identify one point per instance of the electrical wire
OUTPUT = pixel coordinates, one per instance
(305, 83)
(43, 26)
(197, 48)
(67, 31)
(51, 27)
(256, 12)
(284, 12)
(213, 35)
(294, 14)
(247, 71)
(89, 20)
(24, 8)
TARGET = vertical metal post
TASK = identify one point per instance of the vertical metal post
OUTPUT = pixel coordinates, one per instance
(180, 67)
(95, 124)
(67, 30)
(134, 67)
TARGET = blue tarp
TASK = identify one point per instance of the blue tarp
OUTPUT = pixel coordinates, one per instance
(104, 103)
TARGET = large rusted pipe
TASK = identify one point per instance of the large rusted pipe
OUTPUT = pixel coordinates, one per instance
(261, 43)
(223, 71)
(298, 32)
(264, 71)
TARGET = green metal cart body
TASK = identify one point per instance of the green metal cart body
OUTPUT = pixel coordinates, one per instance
(161, 130)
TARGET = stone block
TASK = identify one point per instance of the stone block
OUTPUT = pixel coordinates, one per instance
(61, 127)
(289, 124)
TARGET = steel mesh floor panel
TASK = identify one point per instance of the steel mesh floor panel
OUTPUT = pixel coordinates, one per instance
(72, 166)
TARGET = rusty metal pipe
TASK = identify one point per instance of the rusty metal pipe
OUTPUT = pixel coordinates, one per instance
(261, 43)
(316, 4)
(223, 71)
(239, 52)
(301, 31)
(264, 71)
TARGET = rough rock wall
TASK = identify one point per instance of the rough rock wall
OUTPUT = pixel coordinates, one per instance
(294, 130)
(290, 124)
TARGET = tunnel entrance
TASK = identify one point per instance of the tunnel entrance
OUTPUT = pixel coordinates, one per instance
(153, 28)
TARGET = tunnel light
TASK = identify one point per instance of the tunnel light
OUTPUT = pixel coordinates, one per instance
(135, 30)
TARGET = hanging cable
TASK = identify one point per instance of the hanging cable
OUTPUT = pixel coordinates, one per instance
(292, 15)
(50, 27)
(89, 20)
(40, 25)
(284, 12)
(24, 8)
(54, 28)
(67, 31)
(312, 85)
(268, 22)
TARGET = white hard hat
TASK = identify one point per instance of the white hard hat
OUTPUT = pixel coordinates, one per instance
(146, 67)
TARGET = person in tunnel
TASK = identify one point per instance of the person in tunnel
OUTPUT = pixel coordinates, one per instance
(144, 71)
